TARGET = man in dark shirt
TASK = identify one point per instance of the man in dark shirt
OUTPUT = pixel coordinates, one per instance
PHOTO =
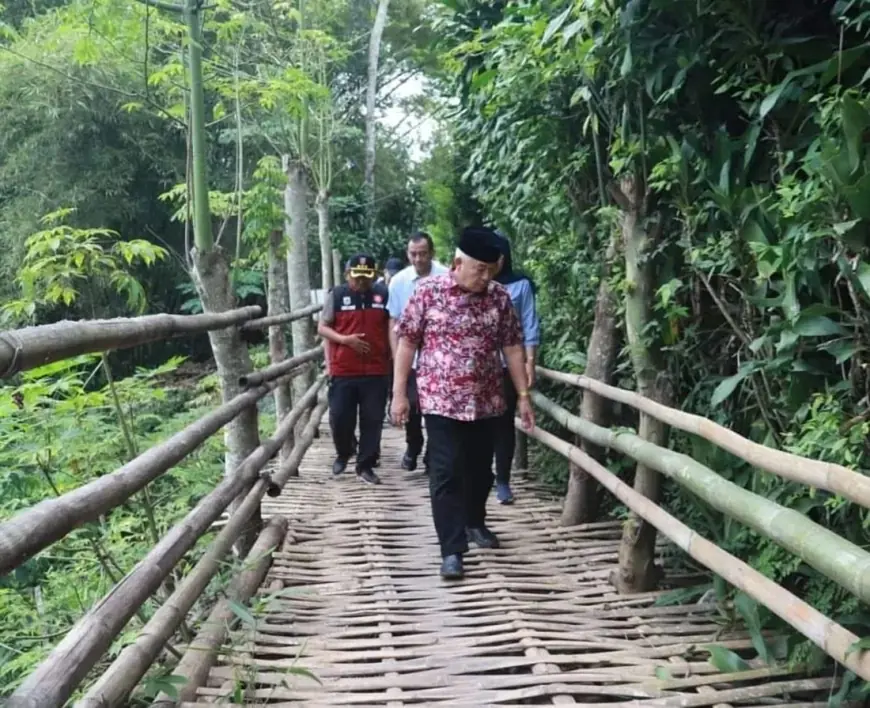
(355, 321)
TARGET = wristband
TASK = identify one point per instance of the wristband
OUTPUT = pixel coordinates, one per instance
(523, 394)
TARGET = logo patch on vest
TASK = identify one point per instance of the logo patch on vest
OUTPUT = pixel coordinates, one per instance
(378, 298)
(345, 300)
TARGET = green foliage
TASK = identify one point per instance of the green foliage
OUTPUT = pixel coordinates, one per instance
(61, 260)
(745, 125)
(57, 433)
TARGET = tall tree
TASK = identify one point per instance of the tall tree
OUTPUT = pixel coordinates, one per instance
(371, 100)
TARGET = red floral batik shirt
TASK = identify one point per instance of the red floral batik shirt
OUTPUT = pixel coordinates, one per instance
(460, 336)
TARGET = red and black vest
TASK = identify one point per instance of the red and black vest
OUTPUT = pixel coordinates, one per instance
(358, 312)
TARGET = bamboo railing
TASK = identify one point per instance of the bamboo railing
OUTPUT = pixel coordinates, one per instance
(53, 682)
(29, 347)
(845, 563)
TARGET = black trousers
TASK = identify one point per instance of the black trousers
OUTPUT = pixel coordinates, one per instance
(506, 433)
(346, 395)
(414, 427)
(460, 477)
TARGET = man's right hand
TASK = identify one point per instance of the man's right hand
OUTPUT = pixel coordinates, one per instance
(356, 342)
(400, 409)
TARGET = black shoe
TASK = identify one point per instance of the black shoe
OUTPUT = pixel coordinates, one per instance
(451, 567)
(339, 466)
(409, 463)
(482, 537)
(368, 477)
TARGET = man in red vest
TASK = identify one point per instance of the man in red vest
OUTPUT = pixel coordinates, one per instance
(355, 320)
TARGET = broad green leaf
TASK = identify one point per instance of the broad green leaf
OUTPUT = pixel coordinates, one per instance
(483, 78)
(817, 326)
(555, 24)
(863, 275)
(770, 101)
(845, 227)
(727, 386)
(841, 349)
(726, 660)
(748, 609)
(627, 62)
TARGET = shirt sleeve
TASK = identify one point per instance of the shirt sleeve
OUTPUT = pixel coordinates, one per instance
(413, 320)
(529, 316)
(511, 332)
(327, 314)
(393, 301)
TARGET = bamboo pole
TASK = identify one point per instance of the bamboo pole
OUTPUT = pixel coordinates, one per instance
(256, 378)
(29, 347)
(200, 655)
(133, 662)
(264, 322)
(842, 561)
(53, 681)
(829, 636)
(290, 466)
(837, 479)
(39, 526)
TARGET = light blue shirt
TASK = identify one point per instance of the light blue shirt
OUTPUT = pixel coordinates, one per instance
(523, 299)
(403, 285)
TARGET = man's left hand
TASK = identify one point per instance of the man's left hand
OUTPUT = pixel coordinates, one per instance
(527, 413)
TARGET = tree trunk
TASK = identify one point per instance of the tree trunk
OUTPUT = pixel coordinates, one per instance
(637, 571)
(337, 270)
(581, 500)
(326, 266)
(211, 275)
(296, 209)
(279, 302)
(371, 124)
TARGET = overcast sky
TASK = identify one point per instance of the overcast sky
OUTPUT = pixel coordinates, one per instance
(395, 122)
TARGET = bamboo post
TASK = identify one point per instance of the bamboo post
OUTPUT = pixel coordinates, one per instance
(842, 561)
(29, 347)
(38, 527)
(829, 636)
(53, 681)
(823, 475)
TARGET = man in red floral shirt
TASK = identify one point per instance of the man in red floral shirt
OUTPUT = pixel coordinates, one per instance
(460, 322)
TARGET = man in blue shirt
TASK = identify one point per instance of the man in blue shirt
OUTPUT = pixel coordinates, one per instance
(421, 255)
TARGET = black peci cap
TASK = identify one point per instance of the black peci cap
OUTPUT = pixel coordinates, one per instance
(480, 243)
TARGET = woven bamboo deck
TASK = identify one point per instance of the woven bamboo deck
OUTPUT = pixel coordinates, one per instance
(354, 597)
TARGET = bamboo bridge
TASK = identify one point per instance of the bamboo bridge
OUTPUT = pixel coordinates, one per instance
(339, 601)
